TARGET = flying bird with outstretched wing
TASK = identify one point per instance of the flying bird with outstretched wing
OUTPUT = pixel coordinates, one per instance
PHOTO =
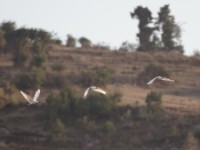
(30, 99)
(95, 89)
(159, 78)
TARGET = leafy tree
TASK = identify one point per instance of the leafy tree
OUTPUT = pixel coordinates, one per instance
(71, 41)
(21, 41)
(171, 32)
(144, 16)
(85, 43)
(8, 26)
(20, 44)
(36, 35)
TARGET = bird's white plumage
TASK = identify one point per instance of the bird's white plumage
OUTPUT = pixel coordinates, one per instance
(95, 89)
(29, 99)
(100, 90)
(37, 93)
(159, 78)
(86, 92)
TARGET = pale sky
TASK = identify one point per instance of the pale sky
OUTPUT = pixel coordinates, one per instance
(101, 21)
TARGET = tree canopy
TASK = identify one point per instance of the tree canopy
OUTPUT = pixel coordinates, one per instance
(150, 28)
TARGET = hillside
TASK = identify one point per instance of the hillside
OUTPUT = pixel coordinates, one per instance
(184, 70)
(22, 126)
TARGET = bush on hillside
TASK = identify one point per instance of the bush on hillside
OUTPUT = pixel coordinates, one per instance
(62, 104)
(38, 54)
(154, 101)
(68, 103)
(97, 76)
(21, 58)
(38, 60)
(109, 128)
(30, 80)
(99, 106)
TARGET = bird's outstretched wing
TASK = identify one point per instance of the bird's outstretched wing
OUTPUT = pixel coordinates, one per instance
(159, 78)
(100, 90)
(37, 93)
(28, 98)
(166, 79)
(86, 92)
(152, 80)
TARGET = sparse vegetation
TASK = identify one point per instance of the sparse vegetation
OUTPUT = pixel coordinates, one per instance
(117, 120)
(30, 80)
(97, 76)
(154, 97)
(154, 102)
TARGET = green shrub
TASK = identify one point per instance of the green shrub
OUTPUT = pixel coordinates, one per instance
(38, 60)
(103, 74)
(62, 104)
(38, 53)
(67, 104)
(97, 106)
(154, 101)
(97, 76)
(154, 97)
(108, 128)
(101, 106)
(21, 58)
(30, 80)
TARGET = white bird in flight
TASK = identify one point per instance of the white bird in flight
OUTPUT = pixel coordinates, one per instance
(93, 88)
(159, 78)
(30, 99)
